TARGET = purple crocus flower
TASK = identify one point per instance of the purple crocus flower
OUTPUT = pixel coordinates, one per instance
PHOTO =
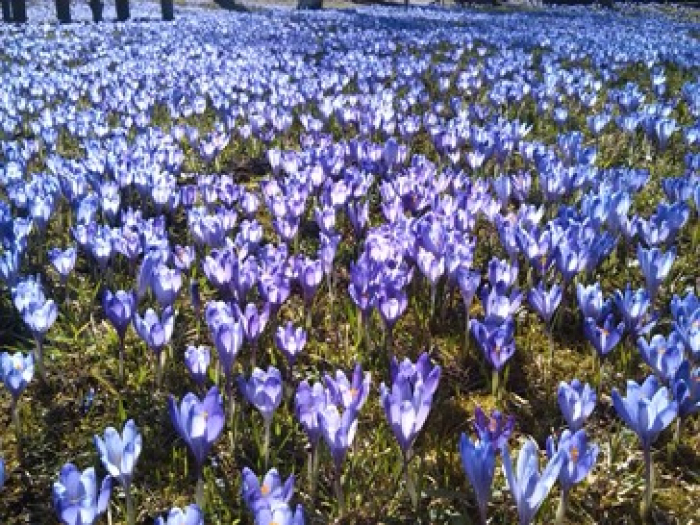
(347, 393)
(407, 404)
(499, 304)
(39, 317)
(119, 453)
(272, 491)
(545, 302)
(228, 339)
(190, 515)
(338, 431)
(603, 338)
(310, 276)
(664, 356)
(686, 389)
(263, 390)
(493, 430)
(290, 341)
(16, 371)
(579, 457)
(495, 340)
(119, 309)
(528, 487)
(392, 304)
(166, 283)
(634, 307)
(197, 360)
(646, 409)
(77, 498)
(655, 266)
(197, 422)
(253, 320)
(502, 271)
(576, 402)
(309, 401)
(479, 463)
(590, 301)
(155, 331)
(63, 261)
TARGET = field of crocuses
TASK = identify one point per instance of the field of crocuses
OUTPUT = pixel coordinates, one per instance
(366, 266)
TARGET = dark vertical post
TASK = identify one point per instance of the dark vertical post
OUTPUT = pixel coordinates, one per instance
(123, 13)
(96, 6)
(63, 11)
(19, 11)
(6, 11)
(167, 9)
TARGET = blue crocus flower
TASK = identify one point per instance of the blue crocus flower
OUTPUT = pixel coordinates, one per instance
(591, 302)
(199, 423)
(407, 403)
(479, 462)
(77, 498)
(545, 302)
(579, 457)
(576, 402)
(16, 371)
(267, 499)
(686, 389)
(190, 515)
(603, 338)
(655, 266)
(119, 453)
(494, 429)
(646, 409)
(634, 307)
(263, 390)
(664, 356)
(528, 487)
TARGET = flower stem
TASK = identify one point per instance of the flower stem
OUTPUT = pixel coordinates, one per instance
(121, 359)
(410, 483)
(561, 510)
(39, 359)
(199, 496)
(18, 427)
(649, 480)
(495, 390)
(130, 509)
(338, 486)
(266, 443)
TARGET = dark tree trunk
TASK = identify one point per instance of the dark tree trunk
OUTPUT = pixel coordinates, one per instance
(167, 9)
(123, 13)
(63, 11)
(96, 6)
(19, 11)
(6, 11)
(309, 4)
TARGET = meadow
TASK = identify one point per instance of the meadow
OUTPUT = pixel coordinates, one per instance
(361, 266)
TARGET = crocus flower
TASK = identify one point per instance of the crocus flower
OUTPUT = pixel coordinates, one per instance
(635, 309)
(155, 330)
(528, 487)
(494, 429)
(479, 462)
(253, 320)
(338, 431)
(119, 454)
(166, 283)
(545, 302)
(228, 339)
(63, 261)
(16, 372)
(590, 301)
(2, 473)
(579, 457)
(603, 338)
(663, 355)
(309, 401)
(290, 341)
(686, 389)
(191, 515)
(273, 489)
(495, 340)
(199, 423)
(646, 409)
(655, 266)
(197, 359)
(576, 402)
(77, 498)
(407, 403)
(347, 393)
(119, 309)
(39, 317)
(263, 390)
